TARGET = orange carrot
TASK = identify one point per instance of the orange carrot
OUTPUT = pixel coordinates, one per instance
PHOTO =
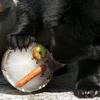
(35, 72)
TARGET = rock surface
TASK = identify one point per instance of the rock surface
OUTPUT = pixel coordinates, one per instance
(60, 88)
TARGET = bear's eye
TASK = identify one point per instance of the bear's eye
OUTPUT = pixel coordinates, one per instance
(39, 52)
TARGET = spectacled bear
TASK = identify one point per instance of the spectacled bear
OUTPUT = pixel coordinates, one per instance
(70, 29)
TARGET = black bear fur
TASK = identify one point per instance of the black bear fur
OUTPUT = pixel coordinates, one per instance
(7, 22)
(70, 29)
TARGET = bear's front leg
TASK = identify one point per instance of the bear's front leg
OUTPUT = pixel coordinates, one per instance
(21, 37)
(87, 85)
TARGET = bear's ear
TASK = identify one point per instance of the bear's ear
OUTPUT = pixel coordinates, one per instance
(16, 1)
